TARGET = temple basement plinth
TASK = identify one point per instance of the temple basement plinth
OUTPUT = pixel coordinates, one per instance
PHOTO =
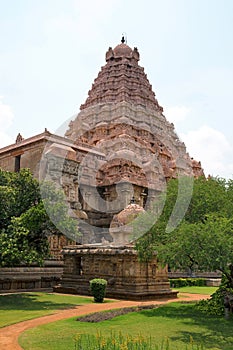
(127, 277)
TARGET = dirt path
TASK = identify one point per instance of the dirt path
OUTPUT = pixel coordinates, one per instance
(9, 335)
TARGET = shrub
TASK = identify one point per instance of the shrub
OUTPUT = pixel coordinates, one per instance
(98, 288)
(215, 305)
(184, 282)
(196, 282)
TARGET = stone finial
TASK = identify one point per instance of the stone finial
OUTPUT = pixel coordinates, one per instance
(19, 138)
(109, 54)
(136, 55)
(46, 131)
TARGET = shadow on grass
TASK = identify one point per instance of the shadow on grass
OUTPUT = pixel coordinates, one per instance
(30, 302)
(217, 332)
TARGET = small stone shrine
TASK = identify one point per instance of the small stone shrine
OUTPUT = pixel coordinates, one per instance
(118, 263)
(127, 278)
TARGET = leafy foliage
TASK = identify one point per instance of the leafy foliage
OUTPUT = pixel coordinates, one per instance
(215, 305)
(98, 288)
(24, 221)
(204, 238)
(184, 282)
(18, 192)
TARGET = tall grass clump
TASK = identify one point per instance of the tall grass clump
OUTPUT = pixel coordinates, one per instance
(125, 342)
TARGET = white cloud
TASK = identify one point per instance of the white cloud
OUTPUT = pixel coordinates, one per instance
(176, 113)
(6, 119)
(212, 148)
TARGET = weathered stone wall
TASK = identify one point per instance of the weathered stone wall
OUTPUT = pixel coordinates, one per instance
(19, 279)
(56, 243)
(212, 278)
(30, 156)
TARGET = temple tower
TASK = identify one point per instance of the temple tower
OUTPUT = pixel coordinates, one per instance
(122, 119)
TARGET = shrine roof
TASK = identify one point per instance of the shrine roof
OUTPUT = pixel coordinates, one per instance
(122, 79)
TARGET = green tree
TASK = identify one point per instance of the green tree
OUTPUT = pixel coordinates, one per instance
(25, 220)
(18, 192)
(204, 238)
(209, 196)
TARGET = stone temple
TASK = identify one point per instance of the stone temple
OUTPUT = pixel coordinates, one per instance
(112, 163)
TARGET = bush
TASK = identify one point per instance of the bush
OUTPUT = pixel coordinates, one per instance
(98, 288)
(184, 282)
(215, 305)
(196, 282)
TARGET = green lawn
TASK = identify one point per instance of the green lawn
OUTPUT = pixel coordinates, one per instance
(20, 307)
(197, 290)
(177, 321)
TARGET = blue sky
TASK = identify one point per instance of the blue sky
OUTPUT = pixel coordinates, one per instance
(51, 52)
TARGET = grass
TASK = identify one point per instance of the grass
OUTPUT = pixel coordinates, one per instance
(176, 325)
(197, 290)
(15, 308)
(177, 321)
(120, 342)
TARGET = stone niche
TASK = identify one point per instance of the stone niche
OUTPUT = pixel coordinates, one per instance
(127, 278)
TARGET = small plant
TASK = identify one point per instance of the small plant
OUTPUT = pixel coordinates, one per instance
(98, 289)
(124, 342)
